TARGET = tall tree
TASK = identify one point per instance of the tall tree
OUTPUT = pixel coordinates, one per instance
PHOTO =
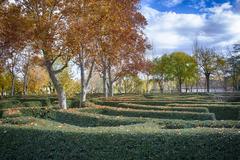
(209, 62)
(180, 66)
(49, 26)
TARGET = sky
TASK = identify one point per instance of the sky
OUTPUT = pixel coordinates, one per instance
(174, 25)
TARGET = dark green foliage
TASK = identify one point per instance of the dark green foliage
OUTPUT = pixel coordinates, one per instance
(32, 104)
(9, 104)
(222, 112)
(73, 103)
(19, 120)
(38, 112)
(153, 114)
(77, 119)
(145, 107)
(44, 101)
(108, 144)
(86, 120)
(181, 124)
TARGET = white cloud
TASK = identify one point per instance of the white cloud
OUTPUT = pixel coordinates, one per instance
(172, 3)
(220, 8)
(171, 31)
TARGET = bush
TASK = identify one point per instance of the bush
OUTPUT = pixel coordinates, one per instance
(32, 104)
(9, 104)
(18, 120)
(145, 107)
(38, 112)
(163, 103)
(44, 101)
(73, 103)
(152, 114)
(110, 143)
(181, 124)
(222, 112)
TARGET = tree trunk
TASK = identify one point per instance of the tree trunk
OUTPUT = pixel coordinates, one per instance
(58, 86)
(83, 89)
(160, 84)
(2, 91)
(105, 90)
(120, 86)
(207, 76)
(180, 85)
(110, 87)
(147, 85)
(84, 81)
(13, 85)
(25, 85)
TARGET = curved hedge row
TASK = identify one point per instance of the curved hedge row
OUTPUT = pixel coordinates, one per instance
(152, 114)
(109, 143)
(158, 108)
(222, 112)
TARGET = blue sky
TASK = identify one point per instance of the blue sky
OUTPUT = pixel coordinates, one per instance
(173, 25)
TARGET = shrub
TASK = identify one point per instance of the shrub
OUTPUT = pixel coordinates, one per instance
(44, 101)
(145, 107)
(110, 143)
(222, 112)
(181, 124)
(152, 114)
(19, 120)
(9, 104)
(38, 112)
(32, 104)
(73, 103)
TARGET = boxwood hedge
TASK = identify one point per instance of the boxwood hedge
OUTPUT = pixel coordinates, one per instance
(9, 104)
(25, 143)
(222, 112)
(146, 107)
(152, 114)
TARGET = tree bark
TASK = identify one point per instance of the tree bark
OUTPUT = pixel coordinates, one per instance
(25, 85)
(207, 76)
(147, 85)
(58, 86)
(85, 82)
(110, 87)
(105, 90)
(180, 85)
(2, 91)
(13, 85)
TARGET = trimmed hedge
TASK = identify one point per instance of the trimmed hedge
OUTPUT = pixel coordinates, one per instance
(145, 107)
(162, 103)
(32, 104)
(181, 124)
(77, 118)
(222, 112)
(9, 104)
(109, 143)
(44, 101)
(151, 114)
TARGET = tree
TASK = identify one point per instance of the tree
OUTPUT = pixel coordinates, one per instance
(70, 85)
(121, 40)
(233, 62)
(12, 38)
(49, 27)
(209, 62)
(159, 71)
(179, 66)
(37, 79)
(82, 40)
